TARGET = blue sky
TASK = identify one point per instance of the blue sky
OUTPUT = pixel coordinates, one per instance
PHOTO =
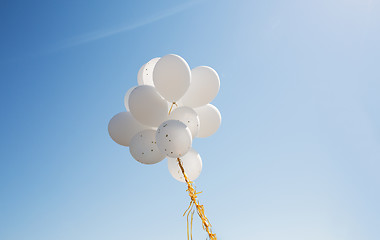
(297, 155)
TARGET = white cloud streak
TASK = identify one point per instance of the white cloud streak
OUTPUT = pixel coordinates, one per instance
(96, 35)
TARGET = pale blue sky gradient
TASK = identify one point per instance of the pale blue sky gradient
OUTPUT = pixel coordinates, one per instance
(297, 155)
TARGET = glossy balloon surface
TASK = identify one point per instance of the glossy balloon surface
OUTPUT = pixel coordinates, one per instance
(173, 138)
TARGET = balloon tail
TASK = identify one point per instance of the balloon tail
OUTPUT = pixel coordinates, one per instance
(174, 103)
(195, 202)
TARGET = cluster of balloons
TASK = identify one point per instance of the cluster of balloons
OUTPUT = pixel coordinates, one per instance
(166, 111)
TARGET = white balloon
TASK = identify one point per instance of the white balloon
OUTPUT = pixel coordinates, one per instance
(210, 120)
(140, 75)
(188, 116)
(203, 88)
(144, 149)
(126, 98)
(122, 127)
(192, 165)
(147, 106)
(172, 77)
(173, 138)
(147, 73)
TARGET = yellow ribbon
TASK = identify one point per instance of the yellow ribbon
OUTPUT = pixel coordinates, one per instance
(194, 202)
(174, 103)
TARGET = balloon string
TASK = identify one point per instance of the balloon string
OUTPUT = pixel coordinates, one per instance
(191, 227)
(195, 202)
(174, 103)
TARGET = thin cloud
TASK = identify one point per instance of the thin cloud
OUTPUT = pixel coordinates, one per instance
(96, 35)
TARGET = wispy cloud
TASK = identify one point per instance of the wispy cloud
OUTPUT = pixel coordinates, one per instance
(100, 34)
(96, 35)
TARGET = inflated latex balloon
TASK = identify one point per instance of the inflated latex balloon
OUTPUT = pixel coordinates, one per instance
(140, 75)
(126, 98)
(173, 138)
(171, 77)
(147, 73)
(144, 149)
(188, 116)
(122, 127)
(192, 164)
(210, 120)
(203, 88)
(147, 106)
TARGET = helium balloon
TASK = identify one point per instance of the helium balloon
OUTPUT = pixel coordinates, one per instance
(147, 106)
(210, 120)
(126, 98)
(140, 75)
(203, 88)
(173, 138)
(122, 127)
(147, 73)
(144, 149)
(192, 164)
(189, 117)
(171, 77)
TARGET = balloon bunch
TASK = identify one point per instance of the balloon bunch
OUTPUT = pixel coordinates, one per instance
(165, 112)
